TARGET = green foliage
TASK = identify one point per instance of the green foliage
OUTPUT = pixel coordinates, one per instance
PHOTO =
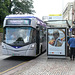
(23, 6)
(1, 30)
(19, 6)
(4, 9)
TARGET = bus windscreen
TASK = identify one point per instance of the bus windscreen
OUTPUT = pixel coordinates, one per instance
(19, 35)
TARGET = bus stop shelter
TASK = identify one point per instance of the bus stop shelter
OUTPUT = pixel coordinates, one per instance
(57, 34)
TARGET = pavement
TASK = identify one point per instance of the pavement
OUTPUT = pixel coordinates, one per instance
(44, 66)
(0, 43)
(0, 49)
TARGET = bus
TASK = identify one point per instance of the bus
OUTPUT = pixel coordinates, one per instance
(23, 36)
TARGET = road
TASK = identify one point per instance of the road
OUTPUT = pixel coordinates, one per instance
(7, 62)
(0, 49)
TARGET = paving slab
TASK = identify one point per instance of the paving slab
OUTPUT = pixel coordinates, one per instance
(43, 66)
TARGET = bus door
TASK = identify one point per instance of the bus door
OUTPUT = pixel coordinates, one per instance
(73, 31)
(37, 41)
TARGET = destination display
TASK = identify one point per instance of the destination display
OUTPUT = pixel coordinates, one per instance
(56, 41)
(18, 22)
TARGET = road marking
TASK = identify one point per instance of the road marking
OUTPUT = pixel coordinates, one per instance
(12, 68)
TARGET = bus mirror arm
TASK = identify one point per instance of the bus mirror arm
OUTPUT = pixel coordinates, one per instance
(37, 27)
(42, 37)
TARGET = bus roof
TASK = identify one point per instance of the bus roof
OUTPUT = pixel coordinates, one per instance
(24, 16)
(19, 16)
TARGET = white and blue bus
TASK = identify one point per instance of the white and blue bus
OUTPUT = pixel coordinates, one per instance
(23, 36)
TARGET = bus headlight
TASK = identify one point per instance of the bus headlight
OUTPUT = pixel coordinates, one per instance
(3, 46)
(32, 45)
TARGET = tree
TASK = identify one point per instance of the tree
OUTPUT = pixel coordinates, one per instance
(4, 9)
(22, 6)
(15, 6)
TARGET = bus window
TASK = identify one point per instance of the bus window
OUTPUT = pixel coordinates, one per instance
(42, 34)
(34, 35)
(13, 35)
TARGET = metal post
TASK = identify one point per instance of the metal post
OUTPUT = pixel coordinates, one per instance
(74, 10)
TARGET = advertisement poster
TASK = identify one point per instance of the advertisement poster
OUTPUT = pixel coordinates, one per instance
(56, 41)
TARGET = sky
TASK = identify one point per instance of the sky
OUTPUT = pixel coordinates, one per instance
(46, 7)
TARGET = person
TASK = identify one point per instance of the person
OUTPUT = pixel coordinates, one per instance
(55, 41)
(71, 43)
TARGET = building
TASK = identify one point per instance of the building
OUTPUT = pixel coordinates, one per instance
(73, 13)
(67, 11)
